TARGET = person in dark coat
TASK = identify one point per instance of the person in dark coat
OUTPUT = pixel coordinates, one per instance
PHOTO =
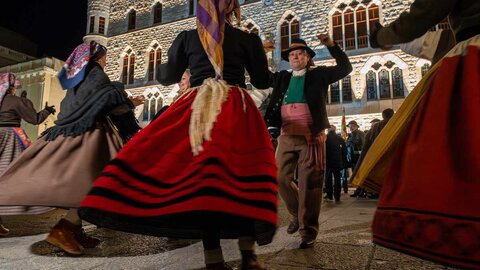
(59, 168)
(370, 137)
(335, 152)
(298, 107)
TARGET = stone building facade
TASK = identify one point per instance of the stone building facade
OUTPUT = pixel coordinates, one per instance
(139, 33)
(40, 84)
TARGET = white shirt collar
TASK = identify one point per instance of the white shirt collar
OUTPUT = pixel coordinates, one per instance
(299, 73)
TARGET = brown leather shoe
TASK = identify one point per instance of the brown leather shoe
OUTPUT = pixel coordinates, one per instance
(250, 262)
(63, 236)
(218, 266)
(85, 240)
(4, 231)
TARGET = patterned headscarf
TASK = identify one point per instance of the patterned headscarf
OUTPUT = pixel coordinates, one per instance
(73, 72)
(6, 80)
(211, 19)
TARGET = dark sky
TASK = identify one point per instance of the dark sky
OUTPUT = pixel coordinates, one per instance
(56, 26)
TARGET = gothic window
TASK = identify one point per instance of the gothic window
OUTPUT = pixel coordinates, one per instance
(371, 78)
(251, 28)
(384, 83)
(346, 89)
(290, 29)
(351, 24)
(128, 68)
(335, 92)
(337, 28)
(157, 13)
(132, 19)
(362, 32)
(397, 81)
(425, 68)
(154, 60)
(101, 25)
(92, 24)
(152, 104)
(192, 7)
(373, 16)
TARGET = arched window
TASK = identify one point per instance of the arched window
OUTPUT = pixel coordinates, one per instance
(425, 68)
(397, 81)
(349, 26)
(152, 104)
(157, 13)
(347, 89)
(335, 92)
(251, 28)
(351, 23)
(101, 25)
(384, 81)
(92, 24)
(128, 70)
(290, 29)
(337, 28)
(192, 7)
(373, 16)
(371, 78)
(154, 60)
(132, 19)
(362, 31)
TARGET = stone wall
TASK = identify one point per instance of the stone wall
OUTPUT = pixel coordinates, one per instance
(312, 14)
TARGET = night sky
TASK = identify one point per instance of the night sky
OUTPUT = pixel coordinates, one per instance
(56, 26)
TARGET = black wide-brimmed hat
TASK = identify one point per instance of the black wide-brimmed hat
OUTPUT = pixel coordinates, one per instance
(353, 122)
(296, 44)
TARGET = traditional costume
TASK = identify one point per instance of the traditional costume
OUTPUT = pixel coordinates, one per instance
(59, 168)
(298, 107)
(13, 139)
(426, 159)
(207, 161)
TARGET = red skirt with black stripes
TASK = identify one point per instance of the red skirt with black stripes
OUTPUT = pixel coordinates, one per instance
(156, 185)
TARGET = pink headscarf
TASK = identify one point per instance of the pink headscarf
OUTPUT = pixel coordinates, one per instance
(6, 80)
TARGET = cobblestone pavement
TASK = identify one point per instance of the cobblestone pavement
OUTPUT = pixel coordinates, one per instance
(344, 242)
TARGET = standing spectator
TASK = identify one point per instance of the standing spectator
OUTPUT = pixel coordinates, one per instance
(335, 152)
(354, 143)
(370, 137)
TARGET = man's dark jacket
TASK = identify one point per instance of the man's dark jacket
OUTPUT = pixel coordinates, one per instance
(335, 151)
(317, 81)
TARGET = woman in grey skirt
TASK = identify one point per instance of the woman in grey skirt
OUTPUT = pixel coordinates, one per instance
(13, 139)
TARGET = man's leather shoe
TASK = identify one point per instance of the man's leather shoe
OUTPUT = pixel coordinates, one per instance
(3, 231)
(307, 242)
(250, 262)
(293, 226)
(63, 237)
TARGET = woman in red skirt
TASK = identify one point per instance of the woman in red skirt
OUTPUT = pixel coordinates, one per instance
(429, 201)
(205, 168)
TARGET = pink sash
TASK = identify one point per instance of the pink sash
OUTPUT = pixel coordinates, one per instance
(296, 120)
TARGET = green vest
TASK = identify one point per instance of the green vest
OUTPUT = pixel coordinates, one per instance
(295, 91)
